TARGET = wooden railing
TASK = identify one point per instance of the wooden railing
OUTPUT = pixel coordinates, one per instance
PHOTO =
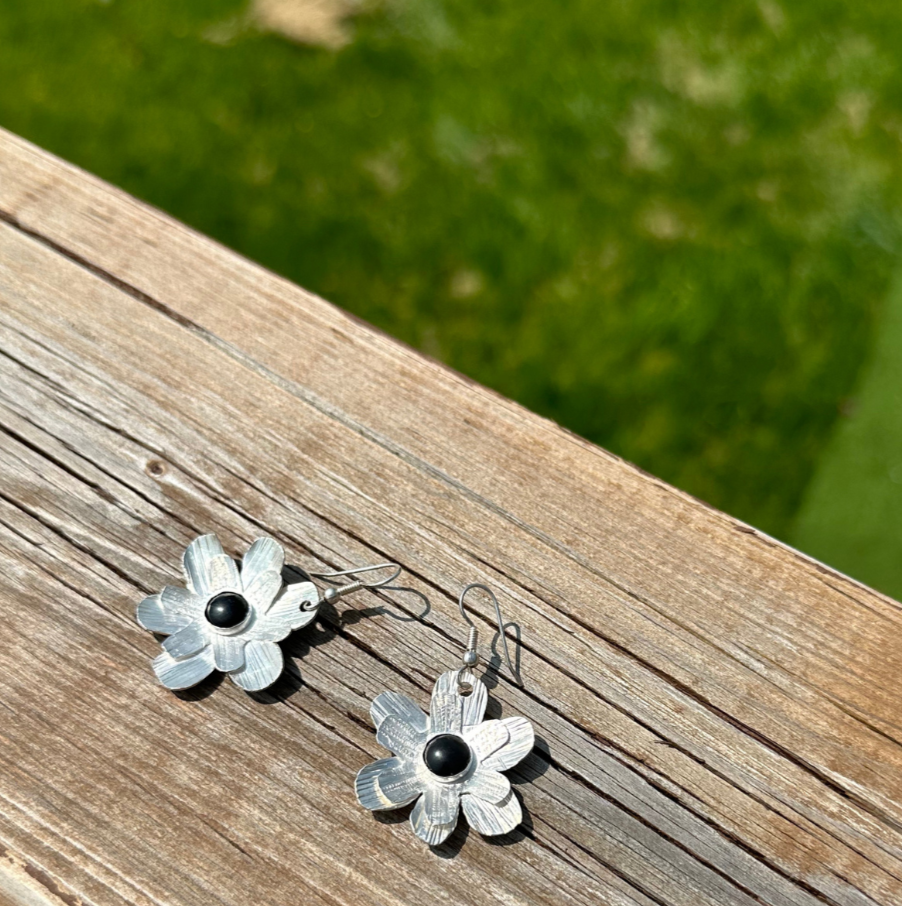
(719, 718)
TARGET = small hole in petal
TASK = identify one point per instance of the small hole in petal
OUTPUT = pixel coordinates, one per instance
(465, 689)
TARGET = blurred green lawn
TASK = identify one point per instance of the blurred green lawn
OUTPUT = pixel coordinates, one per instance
(854, 504)
(669, 226)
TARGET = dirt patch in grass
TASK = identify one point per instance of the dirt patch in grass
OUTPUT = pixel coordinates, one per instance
(318, 22)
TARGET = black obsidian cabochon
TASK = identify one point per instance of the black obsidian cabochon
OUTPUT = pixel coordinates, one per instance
(227, 610)
(447, 755)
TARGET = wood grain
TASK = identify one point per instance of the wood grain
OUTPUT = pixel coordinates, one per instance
(719, 717)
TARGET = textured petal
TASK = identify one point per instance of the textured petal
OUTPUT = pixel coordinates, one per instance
(195, 559)
(156, 616)
(187, 641)
(488, 785)
(445, 714)
(285, 615)
(175, 674)
(433, 834)
(264, 555)
(452, 711)
(261, 591)
(492, 820)
(228, 652)
(400, 737)
(442, 802)
(222, 575)
(387, 783)
(401, 783)
(446, 705)
(174, 597)
(486, 738)
(401, 706)
(263, 664)
(474, 704)
(521, 742)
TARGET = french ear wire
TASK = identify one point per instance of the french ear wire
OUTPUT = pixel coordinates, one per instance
(471, 654)
(335, 592)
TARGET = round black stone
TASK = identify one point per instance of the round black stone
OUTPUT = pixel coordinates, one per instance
(227, 610)
(447, 755)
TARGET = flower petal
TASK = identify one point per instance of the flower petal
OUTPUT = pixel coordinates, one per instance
(174, 597)
(445, 713)
(452, 711)
(442, 802)
(401, 784)
(261, 591)
(486, 738)
(521, 743)
(156, 616)
(195, 559)
(488, 785)
(285, 615)
(433, 834)
(492, 820)
(187, 641)
(222, 575)
(387, 783)
(401, 706)
(263, 556)
(400, 737)
(446, 705)
(175, 674)
(263, 663)
(228, 652)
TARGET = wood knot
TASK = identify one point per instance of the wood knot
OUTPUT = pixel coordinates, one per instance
(156, 468)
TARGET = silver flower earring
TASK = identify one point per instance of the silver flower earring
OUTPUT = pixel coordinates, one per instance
(231, 619)
(452, 758)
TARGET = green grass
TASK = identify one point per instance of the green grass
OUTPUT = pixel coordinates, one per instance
(669, 226)
(852, 514)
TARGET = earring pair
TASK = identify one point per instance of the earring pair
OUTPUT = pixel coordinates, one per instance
(231, 618)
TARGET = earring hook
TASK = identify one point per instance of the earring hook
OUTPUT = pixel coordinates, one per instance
(471, 656)
(394, 567)
(334, 592)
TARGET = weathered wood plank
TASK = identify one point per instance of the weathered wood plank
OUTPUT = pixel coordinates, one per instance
(719, 716)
